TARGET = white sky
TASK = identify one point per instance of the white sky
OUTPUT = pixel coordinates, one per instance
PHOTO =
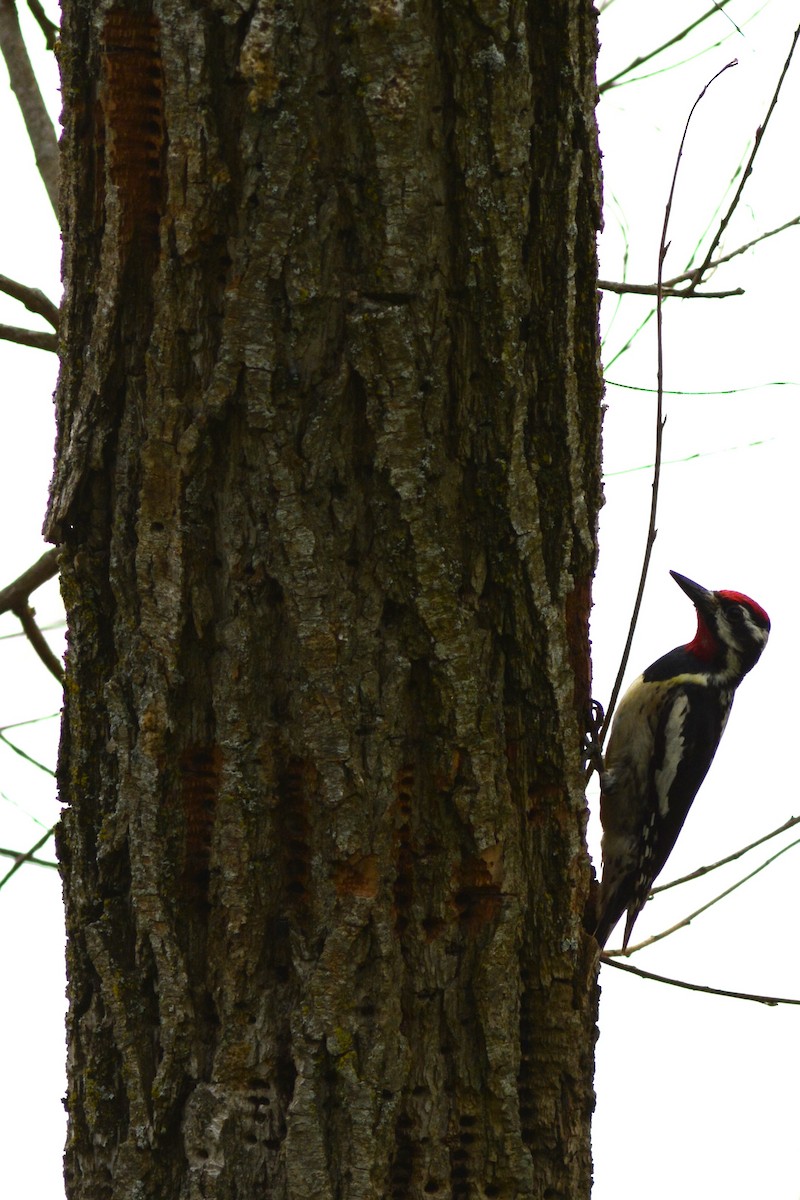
(697, 1096)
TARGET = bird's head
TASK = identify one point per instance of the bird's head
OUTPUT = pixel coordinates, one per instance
(732, 629)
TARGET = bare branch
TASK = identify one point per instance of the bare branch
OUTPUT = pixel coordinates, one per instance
(693, 276)
(29, 337)
(651, 289)
(723, 862)
(48, 28)
(673, 41)
(26, 89)
(771, 1001)
(23, 858)
(15, 598)
(37, 862)
(660, 419)
(34, 300)
(723, 225)
(17, 593)
(27, 618)
(657, 937)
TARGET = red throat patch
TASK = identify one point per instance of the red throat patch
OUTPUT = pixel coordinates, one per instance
(704, 644)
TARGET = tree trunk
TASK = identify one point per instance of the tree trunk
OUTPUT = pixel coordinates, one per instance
(327, 486)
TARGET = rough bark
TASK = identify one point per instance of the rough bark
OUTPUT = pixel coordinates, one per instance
(327, 485)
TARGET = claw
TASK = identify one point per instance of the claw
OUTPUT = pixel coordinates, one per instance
(592, 751)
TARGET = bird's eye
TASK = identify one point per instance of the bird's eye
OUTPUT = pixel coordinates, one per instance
(736, 614)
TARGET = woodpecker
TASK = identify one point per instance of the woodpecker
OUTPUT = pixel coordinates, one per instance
(664, 737)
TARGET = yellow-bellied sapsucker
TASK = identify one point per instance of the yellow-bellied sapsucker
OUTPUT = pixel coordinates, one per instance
(664, 737)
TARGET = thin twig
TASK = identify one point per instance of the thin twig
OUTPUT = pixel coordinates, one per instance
(38, 641)
(29, 337)
(723, 862)
(673, 41)
(723, 225)
(686, 458)
(23, 754)
(689, 274)
(697, 273)
(771, 1001)
(693, 276)
(30, 720)
(19, 591)
(660, 419)
(23, 858)
(36, 862)
(667, 292)
(614, 205)
(18, 633)
(26, 89)
(33, 299)
(657, 937)
(627, 345)
(15, 597)
(48, 28)
(733, 391)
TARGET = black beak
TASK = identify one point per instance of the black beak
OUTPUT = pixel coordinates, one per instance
(701, 597)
